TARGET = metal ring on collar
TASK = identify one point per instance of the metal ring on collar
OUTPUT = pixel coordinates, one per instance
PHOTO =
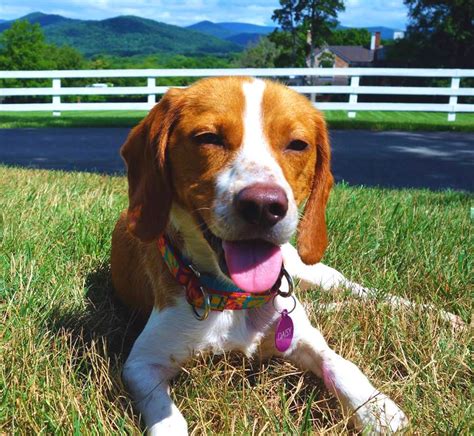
(207, 306)
(288, 311)
(194, 270)
(291, 285)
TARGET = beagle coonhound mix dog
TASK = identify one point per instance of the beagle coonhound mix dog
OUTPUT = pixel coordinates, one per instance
(217, 173)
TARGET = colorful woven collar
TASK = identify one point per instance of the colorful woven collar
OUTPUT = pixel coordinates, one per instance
(206, 291)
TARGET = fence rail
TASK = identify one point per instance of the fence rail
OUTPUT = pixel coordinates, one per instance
(294, 76)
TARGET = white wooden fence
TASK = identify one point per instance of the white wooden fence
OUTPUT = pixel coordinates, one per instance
(290, 75)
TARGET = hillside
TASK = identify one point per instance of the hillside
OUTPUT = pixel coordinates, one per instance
(126, 36)
(245, 33)
(244, 39)
(210, 28)
(237, 28)
(238, 33)
(385, 32)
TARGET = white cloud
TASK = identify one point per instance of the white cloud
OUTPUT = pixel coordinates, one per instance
(183, 12)
(360, 13)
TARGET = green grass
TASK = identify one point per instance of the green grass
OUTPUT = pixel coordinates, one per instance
(63, 339)
(407, 121)
(9, 120)
(337, 120)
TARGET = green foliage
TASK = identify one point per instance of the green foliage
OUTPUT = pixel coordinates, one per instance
(326, 60)
(130, 36)
(261, 55)
(319, 17)
(157, 61)
(290, 54)
(288, 17)
(350, 37)
(308, 23)
(440, 34)
(66, 58)
(23, 47)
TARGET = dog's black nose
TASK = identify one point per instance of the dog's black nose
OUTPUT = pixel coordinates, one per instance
(262, 204)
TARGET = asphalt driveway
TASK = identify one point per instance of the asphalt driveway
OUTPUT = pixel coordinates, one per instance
(435, 160)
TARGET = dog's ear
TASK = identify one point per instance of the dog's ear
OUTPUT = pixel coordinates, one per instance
(312, 233)
(149, 185)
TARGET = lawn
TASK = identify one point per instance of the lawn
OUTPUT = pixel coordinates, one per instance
(64, 339)
(370, 120)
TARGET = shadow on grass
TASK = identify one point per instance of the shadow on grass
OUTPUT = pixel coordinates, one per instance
(110, 329)
(104, 319)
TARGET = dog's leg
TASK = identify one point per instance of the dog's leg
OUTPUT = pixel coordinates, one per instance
(328, 279)
(369, 408)
(319, 274)
(155, 358)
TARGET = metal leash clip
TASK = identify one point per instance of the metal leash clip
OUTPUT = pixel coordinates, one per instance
(291, 284)
(207, 306)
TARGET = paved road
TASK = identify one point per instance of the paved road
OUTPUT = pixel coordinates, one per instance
(434, 160)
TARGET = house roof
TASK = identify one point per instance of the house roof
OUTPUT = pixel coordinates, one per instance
(349, 53)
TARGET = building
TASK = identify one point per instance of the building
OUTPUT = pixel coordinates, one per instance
(345, 56)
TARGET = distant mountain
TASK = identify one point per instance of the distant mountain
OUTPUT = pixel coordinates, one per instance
(126, 36)
(239, 33)
(244, 39)
(210, 28)
(236, 28)
(385, 32)
(38, 17)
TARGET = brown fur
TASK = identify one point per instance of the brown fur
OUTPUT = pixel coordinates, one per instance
(165, 165)
(290, 116)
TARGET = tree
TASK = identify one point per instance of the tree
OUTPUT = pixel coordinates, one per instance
(23, 47)
(261, 55)
(350, 37)
(288, 16)
(440, 34)
(66, 58)
(326, 60)
(290, 54)
(317, 18)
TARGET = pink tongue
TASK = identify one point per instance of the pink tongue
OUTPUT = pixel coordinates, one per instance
(254, 265)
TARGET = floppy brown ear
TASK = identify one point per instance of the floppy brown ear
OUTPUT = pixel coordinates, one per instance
(144, 152)
(312, 233)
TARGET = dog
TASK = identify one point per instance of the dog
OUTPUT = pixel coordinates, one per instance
(218, 174)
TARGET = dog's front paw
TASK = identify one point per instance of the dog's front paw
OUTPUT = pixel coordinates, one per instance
(379, 415)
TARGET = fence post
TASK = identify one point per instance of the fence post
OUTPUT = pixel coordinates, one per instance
(151, 83)
(56, 98)
(353, 97)
(453, 100)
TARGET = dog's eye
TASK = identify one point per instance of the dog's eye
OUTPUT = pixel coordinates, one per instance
(209, 139)
(297, 145)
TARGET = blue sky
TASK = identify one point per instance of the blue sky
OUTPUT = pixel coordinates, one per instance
(390, 13)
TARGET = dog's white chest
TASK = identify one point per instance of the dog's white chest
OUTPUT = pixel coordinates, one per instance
(235, 330)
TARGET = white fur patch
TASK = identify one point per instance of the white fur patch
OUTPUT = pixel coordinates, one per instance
(254, 163)
(173, 335)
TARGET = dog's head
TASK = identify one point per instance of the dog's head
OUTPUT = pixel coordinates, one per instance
(240, 156)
